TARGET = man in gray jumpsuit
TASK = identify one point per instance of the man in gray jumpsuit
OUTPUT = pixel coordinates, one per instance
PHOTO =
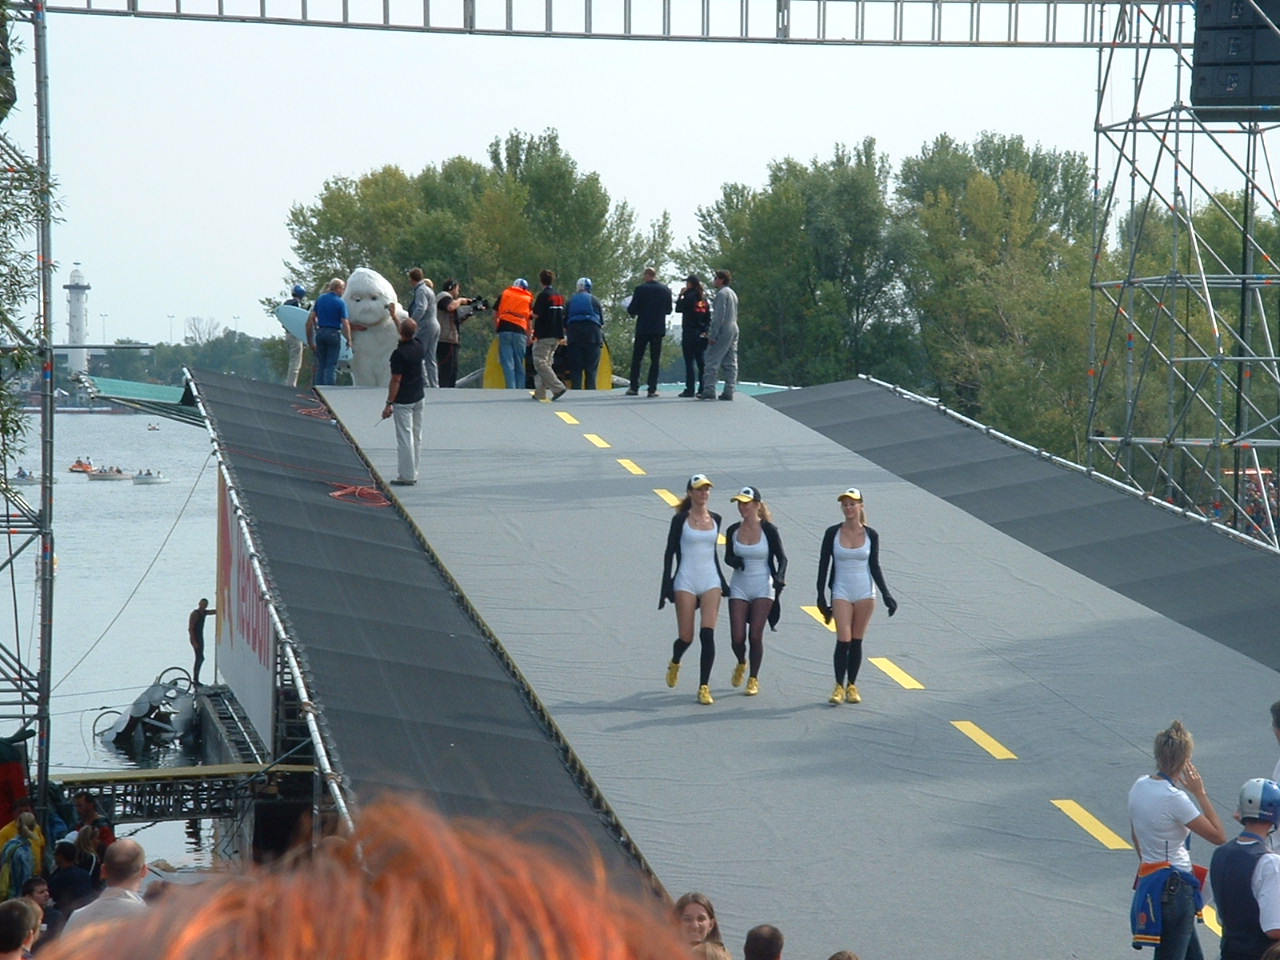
(422, 310)
(722, 340)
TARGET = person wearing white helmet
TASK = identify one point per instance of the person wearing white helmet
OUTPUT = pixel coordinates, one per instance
(1245, 876)
(513, 323)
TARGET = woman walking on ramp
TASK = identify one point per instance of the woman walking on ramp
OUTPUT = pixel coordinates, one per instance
(754, 549)
(850, 566)
(696, 584)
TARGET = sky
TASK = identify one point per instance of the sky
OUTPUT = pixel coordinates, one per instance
(179, 147)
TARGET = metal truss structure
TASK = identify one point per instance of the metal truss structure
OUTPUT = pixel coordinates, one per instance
(1184, 382)
(219, 791)
(950, 23)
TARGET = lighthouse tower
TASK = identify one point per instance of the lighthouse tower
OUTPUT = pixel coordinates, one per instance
(77, 319)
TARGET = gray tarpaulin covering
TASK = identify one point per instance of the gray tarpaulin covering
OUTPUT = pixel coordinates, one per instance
(1183, 570)
(413, 694)
(880, 827)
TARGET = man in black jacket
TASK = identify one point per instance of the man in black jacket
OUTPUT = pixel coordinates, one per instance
(548, 333)
(650, 305)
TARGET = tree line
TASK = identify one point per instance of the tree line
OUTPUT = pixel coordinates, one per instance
(965, 273)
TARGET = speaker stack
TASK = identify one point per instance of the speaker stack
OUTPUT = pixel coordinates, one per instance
(1235, 71)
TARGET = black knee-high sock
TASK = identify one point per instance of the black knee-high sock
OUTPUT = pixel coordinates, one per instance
(855, 659)
(707, 636)
(841, 660)
(756, 622)
(678, 648)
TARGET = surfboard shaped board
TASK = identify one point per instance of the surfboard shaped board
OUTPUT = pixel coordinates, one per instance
(495, 379)
(294, 319)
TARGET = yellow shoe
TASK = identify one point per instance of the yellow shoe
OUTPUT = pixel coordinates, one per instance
(738, 671)
(704, 695)
(753, 686)
(673, 673)
(837, 695)
(851, 694)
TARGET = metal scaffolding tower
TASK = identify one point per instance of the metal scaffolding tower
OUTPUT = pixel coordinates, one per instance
(1184, 383)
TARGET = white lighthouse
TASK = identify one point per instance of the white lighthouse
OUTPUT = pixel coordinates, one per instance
(77, 319)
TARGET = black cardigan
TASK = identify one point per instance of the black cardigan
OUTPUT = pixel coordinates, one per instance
(827, 569)
(777, 563)
(777, 557)
(672, 553)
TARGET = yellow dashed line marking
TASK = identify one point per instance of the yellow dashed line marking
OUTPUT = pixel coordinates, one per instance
(720, 540)
(984, 740)
(1092, 825)
(895, 672)
(568, 418)
(632, 467)
(813, 612)
(597, 440)
(1211, 919)
(667, 495)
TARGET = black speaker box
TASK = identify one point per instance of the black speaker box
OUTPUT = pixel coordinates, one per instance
(1236, 60)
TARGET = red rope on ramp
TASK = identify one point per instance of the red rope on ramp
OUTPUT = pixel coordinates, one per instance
(319, 411)
(365, 496)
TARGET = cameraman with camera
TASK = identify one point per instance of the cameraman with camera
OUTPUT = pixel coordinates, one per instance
(447, 304)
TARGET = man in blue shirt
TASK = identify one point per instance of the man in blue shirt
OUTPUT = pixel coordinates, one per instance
(327, 324)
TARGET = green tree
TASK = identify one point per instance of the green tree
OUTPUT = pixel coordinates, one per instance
(127, 363)
(26, 196)
(818, 243)
(530, 208)
(997, 272)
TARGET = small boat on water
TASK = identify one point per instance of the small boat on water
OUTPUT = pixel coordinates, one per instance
(153, 426)
(145, 479)
(108, 473)
(24, 478)
(81, 466)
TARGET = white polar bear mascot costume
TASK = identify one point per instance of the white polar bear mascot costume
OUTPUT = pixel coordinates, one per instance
(367, 295)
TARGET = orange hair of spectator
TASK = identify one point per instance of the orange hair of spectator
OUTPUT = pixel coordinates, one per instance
(406, 886)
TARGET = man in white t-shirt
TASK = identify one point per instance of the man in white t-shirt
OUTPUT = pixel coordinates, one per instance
(1245, 876)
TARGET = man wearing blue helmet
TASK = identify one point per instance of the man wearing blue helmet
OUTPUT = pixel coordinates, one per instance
(297, 299)
(1245, 876)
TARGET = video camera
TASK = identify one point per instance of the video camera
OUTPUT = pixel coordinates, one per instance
(478, 305)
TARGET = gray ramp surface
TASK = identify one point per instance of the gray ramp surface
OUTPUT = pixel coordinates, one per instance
(879, 827)
(411, 702)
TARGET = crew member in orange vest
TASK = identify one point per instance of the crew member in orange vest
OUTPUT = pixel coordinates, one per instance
(513, 314)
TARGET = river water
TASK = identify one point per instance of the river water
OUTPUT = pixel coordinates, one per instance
(132, 562)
